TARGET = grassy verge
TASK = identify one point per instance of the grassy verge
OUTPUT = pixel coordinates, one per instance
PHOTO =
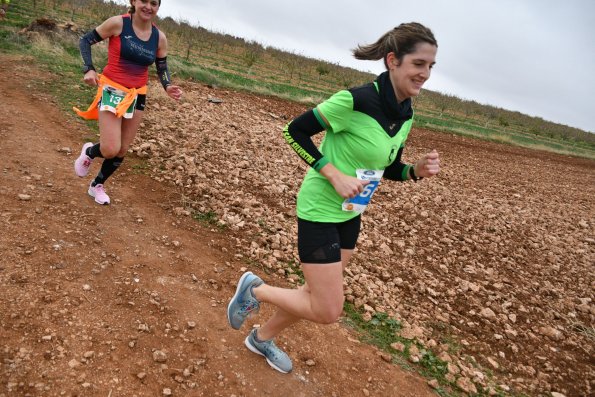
(60, 56)
(190, 71)
(496, 134)
(383, 331)
(208, 218)
(141, 167)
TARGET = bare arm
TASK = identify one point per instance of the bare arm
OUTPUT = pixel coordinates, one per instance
(346, 186)
(162, 48)
(173, 91)
(110, 27)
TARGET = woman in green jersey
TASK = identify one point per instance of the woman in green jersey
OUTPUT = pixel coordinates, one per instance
(366, 129)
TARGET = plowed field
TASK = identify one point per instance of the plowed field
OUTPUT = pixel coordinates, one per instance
(490, 264)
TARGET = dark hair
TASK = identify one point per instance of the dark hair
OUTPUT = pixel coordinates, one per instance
(400, 40)
(131, 7)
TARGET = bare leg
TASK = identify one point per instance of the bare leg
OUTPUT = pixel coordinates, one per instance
(283, 319)
(278, 322)
(129, 130)
(110, 134)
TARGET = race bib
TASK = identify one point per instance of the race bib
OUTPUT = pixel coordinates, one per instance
(360, 202)
(111, 97)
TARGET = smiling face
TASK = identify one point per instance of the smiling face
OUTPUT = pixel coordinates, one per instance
(409, 75)
(145, 9)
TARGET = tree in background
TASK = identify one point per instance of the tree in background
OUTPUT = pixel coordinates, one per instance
(77, 5)
(187, 34)
(252, 53)
(57, 3)
(322, 70)
(490, 114)
(250, 57)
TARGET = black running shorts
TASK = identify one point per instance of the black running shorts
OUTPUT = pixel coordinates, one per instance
(141, 99)
(321, 242)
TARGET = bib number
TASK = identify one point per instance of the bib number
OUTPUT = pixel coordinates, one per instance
(111, 98)
(360, 202)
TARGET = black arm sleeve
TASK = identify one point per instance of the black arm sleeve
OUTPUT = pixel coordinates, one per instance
(397, 171)
(298, 134)
(163, 72)
(85, 44)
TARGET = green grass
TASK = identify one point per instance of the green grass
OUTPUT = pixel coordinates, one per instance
(497, 134)
(12, 42)
(268, 76)
(186, 70)
(141, 167)
(382, 331)
(264, 226)
(208, 218)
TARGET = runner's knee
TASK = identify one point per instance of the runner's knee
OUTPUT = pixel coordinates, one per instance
(110, 151)
(330, 312)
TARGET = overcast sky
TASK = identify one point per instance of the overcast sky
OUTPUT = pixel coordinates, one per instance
(533, 56)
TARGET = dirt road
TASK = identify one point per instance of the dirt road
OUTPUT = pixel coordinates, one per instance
(92, 294)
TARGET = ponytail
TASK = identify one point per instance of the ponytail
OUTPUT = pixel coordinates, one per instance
(400, 40)
(376, 51)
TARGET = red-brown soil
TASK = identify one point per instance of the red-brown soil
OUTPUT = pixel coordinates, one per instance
(495, 256)
(89, 292)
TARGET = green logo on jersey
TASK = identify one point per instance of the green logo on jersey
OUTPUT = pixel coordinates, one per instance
(393, 153)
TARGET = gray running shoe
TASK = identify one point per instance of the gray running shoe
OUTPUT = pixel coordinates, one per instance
(276, 357)
(243, 303)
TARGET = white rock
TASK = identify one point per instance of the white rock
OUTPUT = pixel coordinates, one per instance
(487, 313)
(159, 356)
(551, 332)
(493, 363)
(74, 363)
(466, 385)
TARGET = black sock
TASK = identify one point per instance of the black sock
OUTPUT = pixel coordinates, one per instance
(108, 167)
(93, 151)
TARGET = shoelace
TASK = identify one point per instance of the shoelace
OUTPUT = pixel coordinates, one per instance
(271, 349)
(248, 307)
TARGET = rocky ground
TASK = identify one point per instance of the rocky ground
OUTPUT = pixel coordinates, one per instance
(490, 264)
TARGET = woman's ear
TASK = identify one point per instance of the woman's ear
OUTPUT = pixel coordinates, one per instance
(391, 60)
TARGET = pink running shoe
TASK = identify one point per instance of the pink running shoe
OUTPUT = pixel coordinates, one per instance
(82, 164)
(98, 193)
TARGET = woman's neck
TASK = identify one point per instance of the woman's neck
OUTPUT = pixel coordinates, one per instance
(140, 23)
(399, 97)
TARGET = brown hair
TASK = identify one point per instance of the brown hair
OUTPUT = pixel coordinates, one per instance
(400, 40)
(131, 7)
